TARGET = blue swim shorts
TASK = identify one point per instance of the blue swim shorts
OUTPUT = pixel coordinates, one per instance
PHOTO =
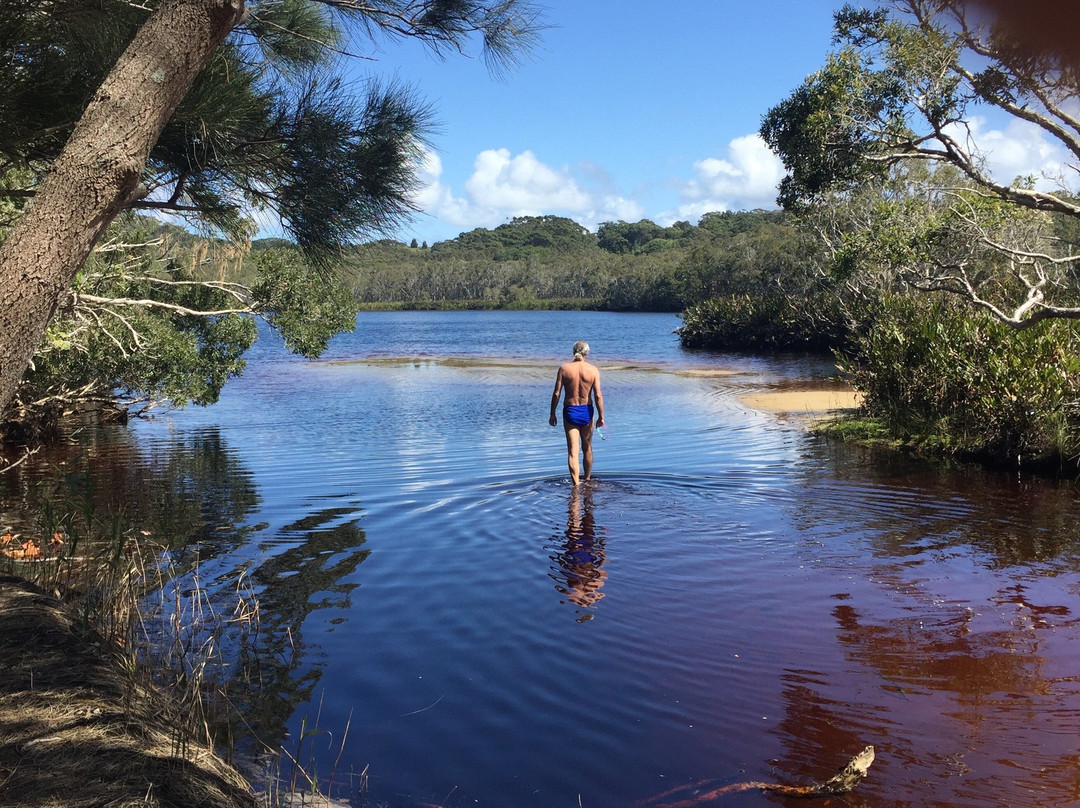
(577, 414)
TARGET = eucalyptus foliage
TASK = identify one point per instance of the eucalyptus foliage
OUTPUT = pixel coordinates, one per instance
(948, 379)
(883, 157)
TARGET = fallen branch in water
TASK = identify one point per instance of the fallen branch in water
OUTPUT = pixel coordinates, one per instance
(841, 782)
(27, 453)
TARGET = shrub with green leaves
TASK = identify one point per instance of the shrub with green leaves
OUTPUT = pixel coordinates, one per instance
(156, 318)
(305, 306)
(941, 375)
(767, 322)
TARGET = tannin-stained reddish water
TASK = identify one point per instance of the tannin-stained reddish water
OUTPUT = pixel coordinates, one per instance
(732, 599)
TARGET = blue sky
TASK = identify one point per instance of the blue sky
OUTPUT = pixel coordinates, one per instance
(627, 109)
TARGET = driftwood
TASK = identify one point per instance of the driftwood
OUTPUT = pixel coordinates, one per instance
(841, 782)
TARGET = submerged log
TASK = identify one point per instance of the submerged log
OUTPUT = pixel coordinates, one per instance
(841, 782)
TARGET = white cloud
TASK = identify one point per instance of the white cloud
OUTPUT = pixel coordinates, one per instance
(748, 176)
(503, 186)
(522, 185)
(436, 198)
(614, 208)
(746, 179)
(1018, 149)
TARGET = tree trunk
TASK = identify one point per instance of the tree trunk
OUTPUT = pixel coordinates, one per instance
(97, 174)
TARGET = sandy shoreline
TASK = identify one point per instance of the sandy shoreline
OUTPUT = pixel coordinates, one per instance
(804, 402)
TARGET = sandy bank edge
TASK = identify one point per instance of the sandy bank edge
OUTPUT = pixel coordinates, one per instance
(804, 402)
(76, 729)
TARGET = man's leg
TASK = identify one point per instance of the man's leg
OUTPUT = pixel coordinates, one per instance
(573, 446)
(586, 449)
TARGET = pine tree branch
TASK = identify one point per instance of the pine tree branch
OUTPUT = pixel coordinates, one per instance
(314, 40)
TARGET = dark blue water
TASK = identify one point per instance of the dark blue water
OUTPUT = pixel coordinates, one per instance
(733, 599)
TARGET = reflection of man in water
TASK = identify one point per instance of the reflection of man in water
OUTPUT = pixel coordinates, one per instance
(581, 558)
(582, 384)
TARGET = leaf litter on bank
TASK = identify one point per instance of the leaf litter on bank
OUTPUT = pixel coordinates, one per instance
(78, 729)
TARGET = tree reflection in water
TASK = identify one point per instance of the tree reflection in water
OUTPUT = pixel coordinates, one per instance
(957, 642)
(189, 494)
(273, 676)
(194, 498)
(580, 573)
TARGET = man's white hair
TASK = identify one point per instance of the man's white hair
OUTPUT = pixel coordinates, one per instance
(581, 348)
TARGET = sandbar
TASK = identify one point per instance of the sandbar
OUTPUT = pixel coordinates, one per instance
(799, 402)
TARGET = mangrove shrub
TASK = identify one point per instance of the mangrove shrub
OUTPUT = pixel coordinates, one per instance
(943, 376)
(767, 322)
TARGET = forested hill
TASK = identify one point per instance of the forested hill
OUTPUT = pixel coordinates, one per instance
(554, 262)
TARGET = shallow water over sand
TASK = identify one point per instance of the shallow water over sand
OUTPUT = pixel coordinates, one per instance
(732, 599)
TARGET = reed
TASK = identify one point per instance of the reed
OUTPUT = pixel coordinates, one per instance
(170, 631)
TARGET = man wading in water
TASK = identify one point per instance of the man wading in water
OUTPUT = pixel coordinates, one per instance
(582, 384)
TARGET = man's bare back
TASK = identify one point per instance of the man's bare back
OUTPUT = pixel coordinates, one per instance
(578, 379)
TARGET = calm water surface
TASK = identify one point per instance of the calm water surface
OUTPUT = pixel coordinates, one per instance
(732, 599)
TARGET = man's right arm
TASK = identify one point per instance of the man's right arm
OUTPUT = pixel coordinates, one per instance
(555, 397)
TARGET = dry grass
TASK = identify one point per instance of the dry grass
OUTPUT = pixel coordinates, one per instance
(114, 685)
(79, 728)
(115, 670)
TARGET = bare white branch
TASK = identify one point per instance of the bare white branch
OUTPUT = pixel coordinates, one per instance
(26, 455)
(158, 304)
(105, 330)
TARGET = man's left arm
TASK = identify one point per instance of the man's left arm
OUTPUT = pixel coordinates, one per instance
(599, 398)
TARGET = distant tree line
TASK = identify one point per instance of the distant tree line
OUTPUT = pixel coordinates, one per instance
(554, 262)
(161, 315)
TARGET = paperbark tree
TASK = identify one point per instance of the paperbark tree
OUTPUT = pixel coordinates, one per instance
(887, 123)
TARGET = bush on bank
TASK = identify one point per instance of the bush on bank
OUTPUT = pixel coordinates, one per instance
(948, 378)
(937, 375)
(772, 322)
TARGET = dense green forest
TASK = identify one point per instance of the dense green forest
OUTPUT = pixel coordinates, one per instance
(554, 262)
